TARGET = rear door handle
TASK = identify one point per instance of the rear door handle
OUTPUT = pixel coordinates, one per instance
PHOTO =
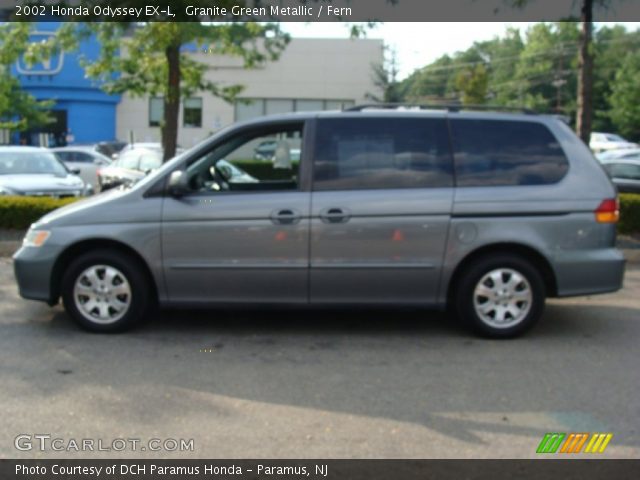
(286, 216)
(335, 215)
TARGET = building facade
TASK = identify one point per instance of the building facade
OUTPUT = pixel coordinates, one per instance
(83, 112)
(311, 74)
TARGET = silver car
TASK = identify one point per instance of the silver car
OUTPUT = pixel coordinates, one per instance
(485, 213)
(36, 171)
(86, 160)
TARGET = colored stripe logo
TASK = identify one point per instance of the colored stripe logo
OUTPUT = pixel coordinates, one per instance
(574, 442)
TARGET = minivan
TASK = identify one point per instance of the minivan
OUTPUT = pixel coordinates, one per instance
(483, 213)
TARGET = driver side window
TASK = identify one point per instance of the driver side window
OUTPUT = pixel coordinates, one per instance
(256, 160)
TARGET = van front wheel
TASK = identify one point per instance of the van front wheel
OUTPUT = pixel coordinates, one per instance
(500, 296)
(105, 291)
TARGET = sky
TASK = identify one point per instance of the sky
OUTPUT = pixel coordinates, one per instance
(417, 44)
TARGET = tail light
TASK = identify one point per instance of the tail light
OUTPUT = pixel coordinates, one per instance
(608, 211)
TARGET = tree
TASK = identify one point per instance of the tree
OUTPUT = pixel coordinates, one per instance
(385, 77)
(472, 83)
(19, 110)
(152, 59)
(584, 112)
(625, 97)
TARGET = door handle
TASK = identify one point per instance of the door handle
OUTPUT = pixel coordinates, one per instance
(286, 216)
(335, 215)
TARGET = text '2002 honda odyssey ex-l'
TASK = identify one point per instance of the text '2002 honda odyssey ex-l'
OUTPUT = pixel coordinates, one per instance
(487, 213)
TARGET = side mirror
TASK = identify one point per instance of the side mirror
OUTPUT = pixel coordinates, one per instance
(177, 185)
(75, 171)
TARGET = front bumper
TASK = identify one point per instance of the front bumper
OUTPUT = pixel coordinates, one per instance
(33, 268)
(587, 272)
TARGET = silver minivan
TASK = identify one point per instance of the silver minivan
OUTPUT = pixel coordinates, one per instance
(485, 213)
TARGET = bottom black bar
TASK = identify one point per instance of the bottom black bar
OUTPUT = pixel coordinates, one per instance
(566, 469)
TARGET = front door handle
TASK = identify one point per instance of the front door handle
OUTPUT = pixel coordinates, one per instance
(286, 216)
(335, 215)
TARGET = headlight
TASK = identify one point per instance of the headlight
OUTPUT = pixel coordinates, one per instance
(36, 238)
(7, 191)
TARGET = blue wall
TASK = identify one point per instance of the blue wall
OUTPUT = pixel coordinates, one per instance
(91, 114)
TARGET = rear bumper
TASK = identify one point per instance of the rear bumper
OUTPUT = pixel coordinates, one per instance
(32, 268)
(588, 272)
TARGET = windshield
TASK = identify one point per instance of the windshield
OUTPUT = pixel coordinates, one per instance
(21, 163)
(614, 138)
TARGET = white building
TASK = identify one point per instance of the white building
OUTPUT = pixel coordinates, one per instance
(311, 74)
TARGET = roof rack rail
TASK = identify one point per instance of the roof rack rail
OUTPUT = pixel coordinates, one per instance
(450, 107)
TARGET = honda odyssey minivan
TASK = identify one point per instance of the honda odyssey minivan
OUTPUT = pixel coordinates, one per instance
(484, 213)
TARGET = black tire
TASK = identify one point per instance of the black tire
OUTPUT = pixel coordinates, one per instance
(139, 299)
(514, 325)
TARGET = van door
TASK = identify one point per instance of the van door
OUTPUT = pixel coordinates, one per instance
(242, 233)
(381, 203)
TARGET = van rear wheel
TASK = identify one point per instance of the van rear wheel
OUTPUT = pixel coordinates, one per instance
(500, 296)
(105, 291)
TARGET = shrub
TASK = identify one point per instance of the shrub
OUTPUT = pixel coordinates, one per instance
(20, 212)
(629, 213)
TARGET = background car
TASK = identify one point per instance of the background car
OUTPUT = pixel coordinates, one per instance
(36, 171)
(266, 151)
(625, 174)
(109, 149)
(600, 142)
(85, 159)
(130, 166)
(625, 153)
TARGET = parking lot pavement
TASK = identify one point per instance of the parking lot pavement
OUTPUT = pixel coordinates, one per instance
(338, 384)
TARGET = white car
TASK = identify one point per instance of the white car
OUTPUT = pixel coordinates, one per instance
(599, 142)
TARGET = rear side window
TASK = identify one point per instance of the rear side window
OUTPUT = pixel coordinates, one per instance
(493, 153)
(375, 153)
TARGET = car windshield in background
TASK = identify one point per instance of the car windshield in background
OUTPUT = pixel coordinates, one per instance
(25, 163)
(614, 138)
(128, 160)
(140, 159)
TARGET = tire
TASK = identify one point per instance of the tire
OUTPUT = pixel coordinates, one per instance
(106, 291)
(500, 296)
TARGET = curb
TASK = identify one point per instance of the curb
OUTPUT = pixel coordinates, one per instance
(9, 247)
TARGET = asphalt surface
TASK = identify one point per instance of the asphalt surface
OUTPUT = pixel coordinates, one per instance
(323, 384)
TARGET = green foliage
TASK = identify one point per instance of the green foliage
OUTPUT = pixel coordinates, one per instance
(157, 58)
(18, 109)
(537, 68)
(472, 83)
(629, 213)
(385, 78)
(20, 212)
(625, 97)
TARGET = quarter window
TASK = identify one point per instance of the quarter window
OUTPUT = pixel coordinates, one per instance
(501, 153)
(375, 153)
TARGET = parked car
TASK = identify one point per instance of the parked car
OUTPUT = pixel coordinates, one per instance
(266, 151)
(486, 213)
(600, 142)
(625, 174)
(85, 159)
(109, 149)
(37, 172)
(135, 164)
(130, 166)
(622, 154)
